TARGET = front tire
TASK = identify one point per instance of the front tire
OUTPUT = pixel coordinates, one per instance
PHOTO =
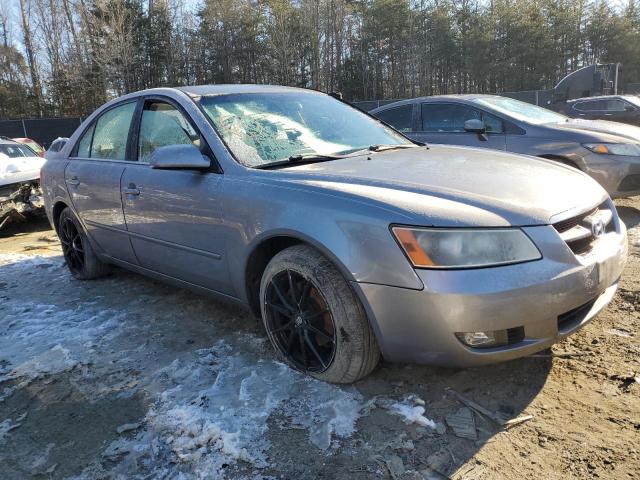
(313, 318)
(78, 253)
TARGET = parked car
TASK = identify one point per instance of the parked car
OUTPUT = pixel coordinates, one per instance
(56, 146)
(607, 151)
(346, 238)
(617, 108)
(32, 144)
(20, 193)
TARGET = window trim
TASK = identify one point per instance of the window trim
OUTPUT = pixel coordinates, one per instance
(397, 107)
(506, 125)
(205, 149)
(92, 124)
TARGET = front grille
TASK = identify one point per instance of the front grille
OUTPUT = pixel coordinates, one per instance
(579, 232)
(573, 317)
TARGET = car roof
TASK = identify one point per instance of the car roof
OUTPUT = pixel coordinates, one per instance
(8, 141)
(461, 98)
(599, 97)
(230, 89)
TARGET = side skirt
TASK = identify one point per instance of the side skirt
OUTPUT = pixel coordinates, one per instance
(175, 281)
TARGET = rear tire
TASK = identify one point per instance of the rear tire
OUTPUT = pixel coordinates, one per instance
(78, 253)
(314, 319)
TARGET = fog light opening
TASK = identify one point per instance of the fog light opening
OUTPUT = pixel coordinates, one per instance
(488, 339)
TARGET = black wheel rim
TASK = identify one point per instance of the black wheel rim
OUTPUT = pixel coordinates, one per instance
(300, 322)
(72, 246)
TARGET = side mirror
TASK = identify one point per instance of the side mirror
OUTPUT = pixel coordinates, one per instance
(178, 157)
(475, 126)
(629, 108)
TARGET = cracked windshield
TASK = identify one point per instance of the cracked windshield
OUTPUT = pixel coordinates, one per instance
(261, 129)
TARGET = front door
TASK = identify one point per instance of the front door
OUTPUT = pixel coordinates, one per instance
(174, 217)
(442, 122)
(92, 179)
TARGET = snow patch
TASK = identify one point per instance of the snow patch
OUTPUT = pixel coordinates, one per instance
(412, 414)
(5, 427)
(57, 359)
(213, 411)
(619, 332)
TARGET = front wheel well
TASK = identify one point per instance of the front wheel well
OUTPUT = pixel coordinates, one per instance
(56, 212)
(257, 263)
(560, 159)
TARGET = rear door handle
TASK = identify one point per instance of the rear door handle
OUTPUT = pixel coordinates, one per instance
(73, 181)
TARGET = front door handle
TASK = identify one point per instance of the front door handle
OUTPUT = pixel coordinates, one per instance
(73, 181)
(131, 190)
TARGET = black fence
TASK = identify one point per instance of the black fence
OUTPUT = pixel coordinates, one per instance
(42, 130)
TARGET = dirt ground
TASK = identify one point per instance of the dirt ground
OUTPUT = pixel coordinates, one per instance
(125, 377)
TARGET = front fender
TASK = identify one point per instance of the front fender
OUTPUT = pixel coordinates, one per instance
(354, 235)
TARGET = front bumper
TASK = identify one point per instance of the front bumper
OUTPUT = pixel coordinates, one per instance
(550, 298)
(618, 175)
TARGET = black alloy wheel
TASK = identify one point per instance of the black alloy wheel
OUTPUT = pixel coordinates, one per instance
(72, 246)
(300, 322)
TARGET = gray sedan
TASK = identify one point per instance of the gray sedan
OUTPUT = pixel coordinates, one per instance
(607, 151)
(347, 239)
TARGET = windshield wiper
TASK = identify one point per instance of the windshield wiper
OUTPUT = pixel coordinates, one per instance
(383, 147)
(306, 158)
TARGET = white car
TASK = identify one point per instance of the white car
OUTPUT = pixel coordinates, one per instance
(20, 192)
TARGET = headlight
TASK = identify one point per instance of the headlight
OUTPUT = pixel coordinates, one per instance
(626, 149)
(464, 247)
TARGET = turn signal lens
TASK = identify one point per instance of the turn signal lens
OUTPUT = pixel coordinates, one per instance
(411, 246)
(600, 149)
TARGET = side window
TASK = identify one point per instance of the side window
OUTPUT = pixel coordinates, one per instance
(492, 123)
(446, 117)
(84, 146)
(615, 105)
(590, 106)
(111, 133)
(399, 117)
(161, 125)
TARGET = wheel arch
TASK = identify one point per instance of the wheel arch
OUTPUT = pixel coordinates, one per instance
(268, 246)
(56, 211)
(560, 159)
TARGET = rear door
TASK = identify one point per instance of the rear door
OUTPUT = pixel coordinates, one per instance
(93, 175)
(442, 122)
(174, 217)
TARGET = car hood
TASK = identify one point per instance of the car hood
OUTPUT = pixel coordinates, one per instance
(458, 186)
(604, 127)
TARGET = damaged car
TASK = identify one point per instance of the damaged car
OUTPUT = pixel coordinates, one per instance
(347, 239)
(20, 193)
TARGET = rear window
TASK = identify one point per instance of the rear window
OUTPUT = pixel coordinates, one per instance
(16, 151)
(107, 137)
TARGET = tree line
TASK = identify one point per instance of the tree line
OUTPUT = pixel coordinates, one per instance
(66, 57)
